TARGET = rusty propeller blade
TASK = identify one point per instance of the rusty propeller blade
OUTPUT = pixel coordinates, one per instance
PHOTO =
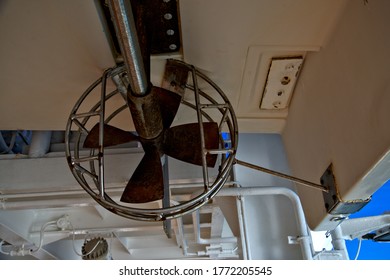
(169, 104)
(112, 136)
(146, 184)
(183, 142)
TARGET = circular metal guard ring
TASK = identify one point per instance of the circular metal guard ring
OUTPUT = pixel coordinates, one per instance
(203, 103)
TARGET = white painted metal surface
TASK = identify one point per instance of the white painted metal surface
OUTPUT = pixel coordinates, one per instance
(340, 111)
(358, 227)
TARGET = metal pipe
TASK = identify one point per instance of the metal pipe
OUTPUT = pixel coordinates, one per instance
(304, 238)
(243, 229)
(126, 32)
(338, 242)
(40, 143)
(211, 240)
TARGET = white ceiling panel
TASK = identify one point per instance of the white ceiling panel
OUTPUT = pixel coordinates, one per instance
(51, 51)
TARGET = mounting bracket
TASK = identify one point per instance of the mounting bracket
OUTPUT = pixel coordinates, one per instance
(159, 19)
(334, 204)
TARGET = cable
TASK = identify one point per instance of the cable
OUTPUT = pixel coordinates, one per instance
(1, 248)
(63, 223)
(73, 243)
(358, 250)
(51, 223)
(60, 223)
(20, 250)
(109, 253)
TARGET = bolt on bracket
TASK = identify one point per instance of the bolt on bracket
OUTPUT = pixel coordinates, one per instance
(334, 204)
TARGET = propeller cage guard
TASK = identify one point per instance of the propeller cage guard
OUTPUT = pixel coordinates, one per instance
(88, 167)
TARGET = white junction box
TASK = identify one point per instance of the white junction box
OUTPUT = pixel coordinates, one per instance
(279, 86)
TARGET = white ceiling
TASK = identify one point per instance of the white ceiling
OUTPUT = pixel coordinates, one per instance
(51, 51)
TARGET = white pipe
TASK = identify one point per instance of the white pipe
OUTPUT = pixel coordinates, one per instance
(243, 229)
(304, 238)
(207, 241)
(76, 190)
(40, 143)
(338, 242)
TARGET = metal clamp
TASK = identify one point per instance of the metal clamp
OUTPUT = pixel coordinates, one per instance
(334, 204)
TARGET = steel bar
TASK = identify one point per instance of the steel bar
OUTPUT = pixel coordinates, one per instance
(282, 175)
(231, 123)
(223, 119)
(220, 151)
(101, 134)
(82, 170)
(201, 131)
(166, 201)
(83, 115)
(214, 106)
(81, 126)
(84, 159)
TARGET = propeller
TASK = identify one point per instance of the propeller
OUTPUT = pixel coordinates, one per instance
(153, 110)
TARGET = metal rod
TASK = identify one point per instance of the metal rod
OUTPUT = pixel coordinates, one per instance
(223, 120)
(85, 171)
(85, 159)
(201, 131)
(101, 134)
(126, 32)
(214, 106)
(166, 201)
(81, 126)
(117, 111)
(219, 151)
(282, 175)
(83, 115)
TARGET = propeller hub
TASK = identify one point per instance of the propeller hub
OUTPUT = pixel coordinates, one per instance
(146, 114)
